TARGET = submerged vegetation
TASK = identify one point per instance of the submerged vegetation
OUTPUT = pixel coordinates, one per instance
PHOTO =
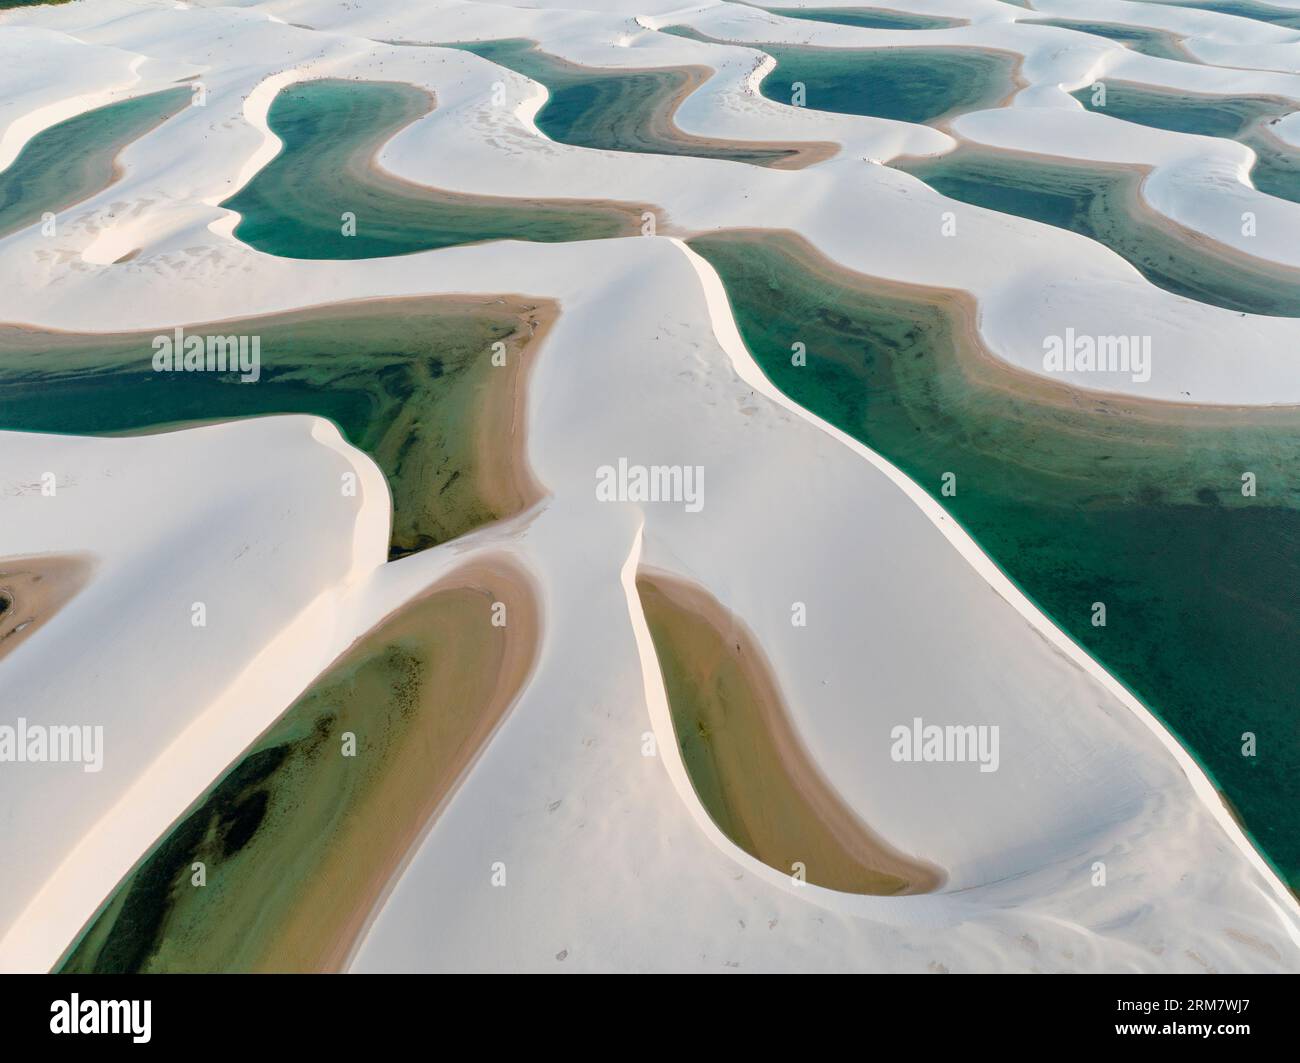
(411, 382)
(277, 865)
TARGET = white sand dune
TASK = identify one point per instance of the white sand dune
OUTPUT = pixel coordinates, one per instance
(1033, 280)
(267, 548)
(626, 871)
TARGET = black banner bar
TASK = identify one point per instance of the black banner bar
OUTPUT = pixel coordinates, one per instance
(338, 1013)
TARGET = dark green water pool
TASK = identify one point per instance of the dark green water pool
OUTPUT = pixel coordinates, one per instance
(1155, 43)
(1243, 118)
(906, 84)
(1102, 203)
(74, 159)
(1079, 499)
(615, 110)
(873, 18)
(402, 380)
(298, 205)
(1209, 116)
(1277, 16)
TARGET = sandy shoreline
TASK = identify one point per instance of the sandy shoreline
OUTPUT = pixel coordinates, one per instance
(942, 121)
(962, 308)
(1168, 38)
(497, 480)
(1135, 176)
(364, 165)
(1197, 243)
(951, 21)
(495, 578)
(1277, 890)
(422, 691)
(92, 184)
(662, 121)
(768, 795)
(508, 484)
(804, 153)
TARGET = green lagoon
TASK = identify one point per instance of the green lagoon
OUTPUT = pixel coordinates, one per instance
(745, 760)
(71, 161)
(1080, 499)
(405, 380)
(294, 207)
(1208, 116)
(1242, 118)
(872, 18)
(905, 84)
(298, 838)
(615, 110)
(1102, 203)
(1159, 44)
(1288, 18)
